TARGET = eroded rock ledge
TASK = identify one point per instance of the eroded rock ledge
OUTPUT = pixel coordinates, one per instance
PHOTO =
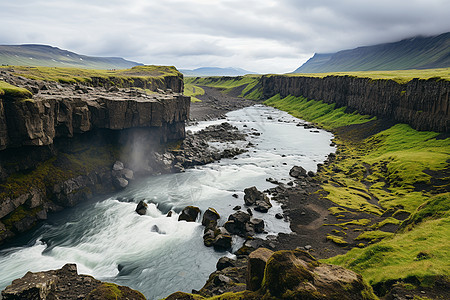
(59, 141)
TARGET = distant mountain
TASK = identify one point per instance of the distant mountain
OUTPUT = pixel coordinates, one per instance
(214, 71)
(414, 53)
(48, 56)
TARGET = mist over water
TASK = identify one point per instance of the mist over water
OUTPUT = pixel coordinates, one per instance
(155, 254)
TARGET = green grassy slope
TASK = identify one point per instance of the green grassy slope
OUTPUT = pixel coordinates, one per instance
(249, 84)
(47, 56)
(414, 53)
(405, 171)
(85, 75)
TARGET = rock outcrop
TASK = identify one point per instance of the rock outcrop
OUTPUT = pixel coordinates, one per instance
(423, 104)
(60, 142)
(287, 274)
(65, 283)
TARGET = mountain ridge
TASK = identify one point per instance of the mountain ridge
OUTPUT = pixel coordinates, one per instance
(50, 56)
(414, 53)
(216, 71)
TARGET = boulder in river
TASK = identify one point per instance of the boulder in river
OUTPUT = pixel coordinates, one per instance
(189, 214)
(141, 208)
(255, 197)
(298, 172)
(210, 215)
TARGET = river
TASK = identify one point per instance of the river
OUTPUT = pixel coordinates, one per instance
(158, 255)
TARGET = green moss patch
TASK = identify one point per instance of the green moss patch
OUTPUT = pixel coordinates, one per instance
(11, 92)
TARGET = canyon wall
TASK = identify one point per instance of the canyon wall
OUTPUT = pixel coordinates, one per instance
(423, 104)
(60, 142)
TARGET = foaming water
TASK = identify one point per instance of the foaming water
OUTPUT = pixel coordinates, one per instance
(156, 254)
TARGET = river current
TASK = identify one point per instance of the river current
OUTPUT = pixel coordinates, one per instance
(155, 254)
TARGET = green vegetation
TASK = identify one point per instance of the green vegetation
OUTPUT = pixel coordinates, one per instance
(112, 291)
(192, 91)
(317, 111)
(398, 170)
(9, 91)
(249, 85)
(73, 75)
(400, 76)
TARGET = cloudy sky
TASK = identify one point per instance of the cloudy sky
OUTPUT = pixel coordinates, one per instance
(266, 36)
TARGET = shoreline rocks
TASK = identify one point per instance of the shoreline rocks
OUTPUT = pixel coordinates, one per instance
(65, 283)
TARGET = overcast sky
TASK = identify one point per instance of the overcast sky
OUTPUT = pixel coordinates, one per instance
(266, 36)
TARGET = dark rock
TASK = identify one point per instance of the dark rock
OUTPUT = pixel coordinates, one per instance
(258, 225)
(169, 214)
(119, 183)
(279, 216)
(235, 196)
(237, 207)
(225, 262)
(297, 172)
(311, 174)
(65, 283)
(258, 198)
(210, 215)
(141, 208)
(222, 280)
(249, 211)
(255, 269)
(222, 242)
(189, 214)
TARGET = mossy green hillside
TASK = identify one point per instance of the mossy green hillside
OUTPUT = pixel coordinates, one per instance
(249, 84)
(418, 253)
(193, 91)
(385, 172)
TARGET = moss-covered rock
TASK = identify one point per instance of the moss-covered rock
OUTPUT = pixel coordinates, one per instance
(111, 291)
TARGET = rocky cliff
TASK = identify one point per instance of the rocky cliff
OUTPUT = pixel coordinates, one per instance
(423, 104)
(59, 141)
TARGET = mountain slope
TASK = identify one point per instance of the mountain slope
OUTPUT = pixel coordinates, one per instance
(48, 56)
(414, 53)
(215, 71)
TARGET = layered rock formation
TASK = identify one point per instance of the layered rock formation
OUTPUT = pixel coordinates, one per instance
(423, 104)
(59, 141)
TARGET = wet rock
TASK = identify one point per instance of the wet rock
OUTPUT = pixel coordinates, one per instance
(119, 183)
(225, 262)
(237, 207)
(222, 280)
(118, 165)
(255, 197)
(222, 242)
(141, 208)
(210, 215)
(258, 225)
(298, 172)
(189, 214)
(279, 216)
(255, 269)
(235, 196)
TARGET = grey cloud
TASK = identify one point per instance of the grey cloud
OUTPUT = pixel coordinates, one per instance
(260, 35)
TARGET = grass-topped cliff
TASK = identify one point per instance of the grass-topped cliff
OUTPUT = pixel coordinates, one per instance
(389, 184)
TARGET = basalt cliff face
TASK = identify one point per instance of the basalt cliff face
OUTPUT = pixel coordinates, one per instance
(59, 142)
(423, 104)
